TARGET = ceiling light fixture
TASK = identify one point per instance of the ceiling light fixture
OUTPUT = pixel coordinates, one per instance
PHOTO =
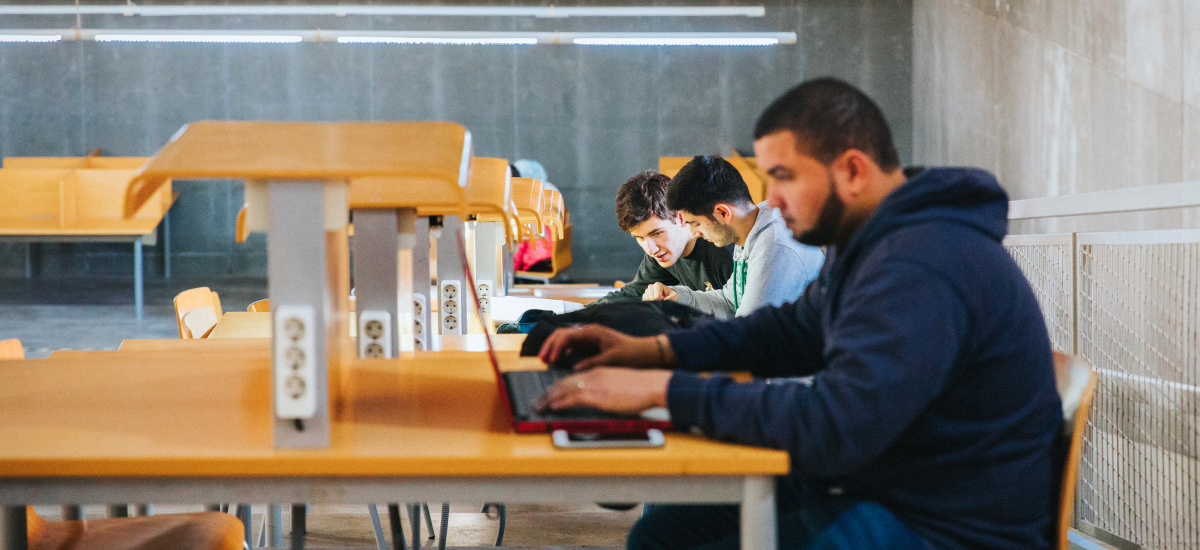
(30, 37)
(435, 40)
(130, 9)
(202, 38)
(403, 37)
(671, 41)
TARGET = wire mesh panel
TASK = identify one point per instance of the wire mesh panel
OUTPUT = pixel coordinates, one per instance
(1138, 296)
(1046, 262)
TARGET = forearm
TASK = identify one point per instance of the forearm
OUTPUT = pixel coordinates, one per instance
(712, 302)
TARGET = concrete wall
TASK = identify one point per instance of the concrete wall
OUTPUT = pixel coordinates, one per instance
(592, 116)
(1061, 96)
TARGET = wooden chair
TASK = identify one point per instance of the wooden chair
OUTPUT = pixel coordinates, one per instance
(1076, 382)
(260, 306)
(11, 349)
(193, 299)
(199, 531)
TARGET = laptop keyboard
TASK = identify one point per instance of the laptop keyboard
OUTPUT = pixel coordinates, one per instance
(525, 387)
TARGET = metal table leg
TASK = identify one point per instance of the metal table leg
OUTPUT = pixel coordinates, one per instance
(758, 514)
(13, 524)
(137, 277)
(166, 238)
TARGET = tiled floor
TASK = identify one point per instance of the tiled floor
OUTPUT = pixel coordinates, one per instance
(91, 313)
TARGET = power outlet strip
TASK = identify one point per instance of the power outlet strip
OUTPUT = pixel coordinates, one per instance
(450, 308)
(375, 334)
(420, 331)
(484, 289)
(295, 362)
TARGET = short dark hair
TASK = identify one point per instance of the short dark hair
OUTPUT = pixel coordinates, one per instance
(704, 182)
(829, 117)
(640, 197)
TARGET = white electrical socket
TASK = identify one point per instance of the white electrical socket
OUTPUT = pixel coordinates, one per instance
(485, 294)
(449, 308)
(295, 362)
(375, 334)
(420, 331)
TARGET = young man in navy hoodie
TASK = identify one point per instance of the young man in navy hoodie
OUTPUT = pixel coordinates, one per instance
(932, 411)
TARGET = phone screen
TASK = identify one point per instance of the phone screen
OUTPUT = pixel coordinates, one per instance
(643, 438)
(608, 436)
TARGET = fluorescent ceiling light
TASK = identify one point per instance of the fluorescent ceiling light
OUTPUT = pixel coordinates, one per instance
(668, 41)
(30, 37)
(436, 40)
(131, 9)
(293, 36)
(202, 38)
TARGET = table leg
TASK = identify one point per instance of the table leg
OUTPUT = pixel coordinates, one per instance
(28, 260)
(166, 244)
(758, 514)
(377, 527)
(137, 277)
(275, 525)
(397, 528)
(414, 520)
(118, 510)
(13, 525)
(243, 514)
(298, 525)
(71, 512)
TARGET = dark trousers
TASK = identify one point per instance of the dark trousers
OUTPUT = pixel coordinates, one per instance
(806, 520)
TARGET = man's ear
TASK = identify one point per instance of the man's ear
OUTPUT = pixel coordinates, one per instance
(722, 212)
(851, 173)
(679, 218)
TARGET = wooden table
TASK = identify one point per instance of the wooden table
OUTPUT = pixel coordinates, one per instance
(132, 427)
(579, 294)
(244, 324)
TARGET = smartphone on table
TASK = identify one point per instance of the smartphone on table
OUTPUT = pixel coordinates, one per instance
(564, 439)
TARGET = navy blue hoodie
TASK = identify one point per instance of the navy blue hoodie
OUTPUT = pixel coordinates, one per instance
(933, 392)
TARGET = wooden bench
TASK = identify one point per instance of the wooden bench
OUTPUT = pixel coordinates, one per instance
(80, 205)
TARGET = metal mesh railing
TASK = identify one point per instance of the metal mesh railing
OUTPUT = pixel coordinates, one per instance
(1136, 321)
(1047, 264)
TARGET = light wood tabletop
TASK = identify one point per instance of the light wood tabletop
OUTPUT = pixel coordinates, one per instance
(173, 428)
(375, 154)
(132, 414)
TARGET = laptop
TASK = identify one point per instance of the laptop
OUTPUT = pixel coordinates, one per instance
(520, 390)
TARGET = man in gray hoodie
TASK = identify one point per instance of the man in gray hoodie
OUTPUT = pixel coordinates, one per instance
(769, 266)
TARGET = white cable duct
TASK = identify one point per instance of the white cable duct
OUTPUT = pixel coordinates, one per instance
(130, 9)
(403, 37)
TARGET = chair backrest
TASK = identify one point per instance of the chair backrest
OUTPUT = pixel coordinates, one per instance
(260, 306)
(11, 349)
(1076, 382)
(196, 298)
(198, 322)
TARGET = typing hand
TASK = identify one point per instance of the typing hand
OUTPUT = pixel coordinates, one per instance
(614, 348)
(659, 291)
(610, 389)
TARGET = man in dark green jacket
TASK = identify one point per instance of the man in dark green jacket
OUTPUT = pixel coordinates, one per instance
(673, 255)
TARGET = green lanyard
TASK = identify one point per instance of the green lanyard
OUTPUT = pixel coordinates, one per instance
(739, 282)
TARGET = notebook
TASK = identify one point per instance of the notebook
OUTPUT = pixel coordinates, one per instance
(519, 390)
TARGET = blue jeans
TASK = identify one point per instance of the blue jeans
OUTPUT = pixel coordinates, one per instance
(806, 520)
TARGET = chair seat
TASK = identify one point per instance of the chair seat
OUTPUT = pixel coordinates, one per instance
(196, 531)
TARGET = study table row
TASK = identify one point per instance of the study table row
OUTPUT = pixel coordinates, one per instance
(176, 422)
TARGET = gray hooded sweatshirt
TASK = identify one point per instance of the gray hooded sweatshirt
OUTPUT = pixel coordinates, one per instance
(771, 269)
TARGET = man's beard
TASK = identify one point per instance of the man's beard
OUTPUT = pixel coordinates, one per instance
(825, 231)
(727, 235)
